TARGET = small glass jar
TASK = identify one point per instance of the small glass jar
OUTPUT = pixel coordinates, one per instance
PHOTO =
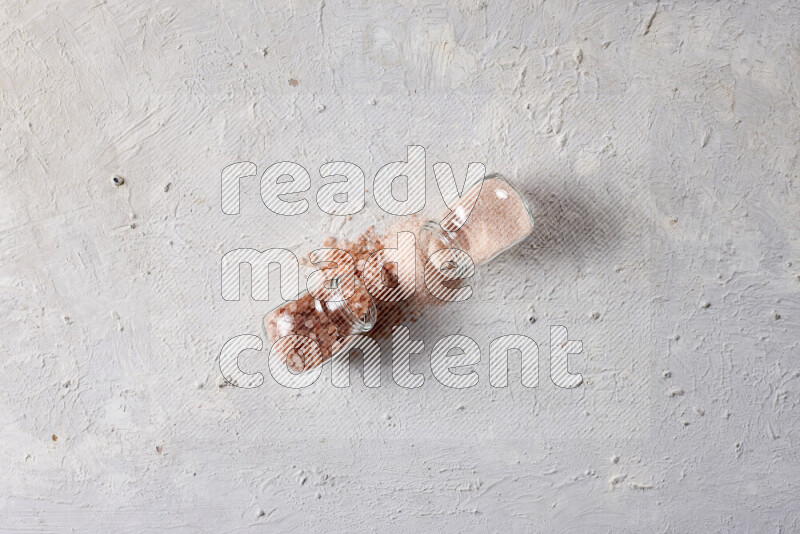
(499, 219)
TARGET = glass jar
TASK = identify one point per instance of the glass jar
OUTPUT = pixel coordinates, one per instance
(499, 219)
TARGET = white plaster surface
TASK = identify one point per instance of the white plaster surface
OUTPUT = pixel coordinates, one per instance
(657, 141)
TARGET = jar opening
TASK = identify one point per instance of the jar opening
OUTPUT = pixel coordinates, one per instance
(340, 310)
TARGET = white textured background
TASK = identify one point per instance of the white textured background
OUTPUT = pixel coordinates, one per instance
(658, 142)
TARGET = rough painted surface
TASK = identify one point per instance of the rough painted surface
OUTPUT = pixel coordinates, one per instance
(658, 142)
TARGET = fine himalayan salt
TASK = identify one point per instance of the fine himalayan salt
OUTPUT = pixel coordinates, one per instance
(500, 219)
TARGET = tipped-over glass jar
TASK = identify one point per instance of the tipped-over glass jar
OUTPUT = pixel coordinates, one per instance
(486, 221)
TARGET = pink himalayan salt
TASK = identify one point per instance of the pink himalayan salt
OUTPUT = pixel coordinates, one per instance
(499, 220)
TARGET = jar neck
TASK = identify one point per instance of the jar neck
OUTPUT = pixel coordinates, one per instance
(339, 311)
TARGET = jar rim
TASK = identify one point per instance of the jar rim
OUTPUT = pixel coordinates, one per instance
(447, 238)
(358, 324)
